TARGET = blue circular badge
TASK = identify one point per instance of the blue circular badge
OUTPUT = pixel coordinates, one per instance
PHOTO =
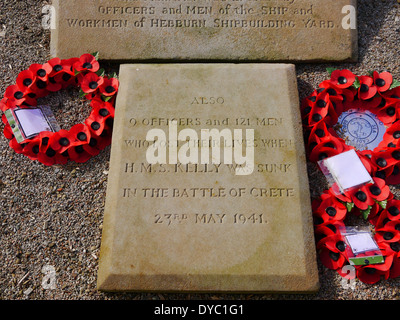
(361, 129)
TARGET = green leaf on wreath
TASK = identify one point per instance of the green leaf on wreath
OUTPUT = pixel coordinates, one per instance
(349, 206)
(82, 94)
(356, 83)
(114, 75)
(330, 70)
(395, 84)
(101, 72)
(382, 203)
(365, 213)
(106, 99)
(96, 55)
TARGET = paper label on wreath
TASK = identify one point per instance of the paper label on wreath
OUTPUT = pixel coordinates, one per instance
(27, 123)
(361, 248)
(361, 129)
(345, 171)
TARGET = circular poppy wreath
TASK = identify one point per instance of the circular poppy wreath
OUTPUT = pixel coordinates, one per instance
(378, 93)
(83, 140)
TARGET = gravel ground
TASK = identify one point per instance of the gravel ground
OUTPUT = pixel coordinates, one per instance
(52, 216)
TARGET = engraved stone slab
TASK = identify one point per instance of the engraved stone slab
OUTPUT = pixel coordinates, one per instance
(190, 221)
(265, 30)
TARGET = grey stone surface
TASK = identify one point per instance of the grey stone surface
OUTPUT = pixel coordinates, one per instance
(267, 30)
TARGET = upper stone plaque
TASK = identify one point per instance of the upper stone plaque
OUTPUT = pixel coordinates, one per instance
(208, 187)
(263, 30)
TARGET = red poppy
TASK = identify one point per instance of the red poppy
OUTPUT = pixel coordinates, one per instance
(387, 142)
(373, 213)
(331, 209)
(361, 197)
(91, 82)
(384, 217)
(365, 157)
(329, 141)
(379, 191)
(25, 79)
(384, 103)
(47, 155)
(16, 146)
(391, 136)
(39, 88)
(306, 107)
(390, 248)
(66, 79)
(326, 229)
(80, 133)
(335, 143)
(102, 110)
(95, 126)
(79, 154)
(332, 253)
(321, 152)
(68, 64)
(16, 94)
(313, 118)
(342, 78)
(103, 141)
(62, 140)
(3, 104)
(87, 62)
(337, 96)
(50, 157)
(393, 209)
(52, 84)
(94, 146)
(32, 149)
(333, 90)
(348, 96)
(7, 131)
(40, 71)
(395, 268)
(56, 66)
(382, 80)
(343, 197)
(371, 274)
(4, 119)
(44, 138)
(390, 232)
(109, 87)
(384, 159)
(389, 113)
(321, 108)
(367, 88)
(391, 95)
(372, 104)
(393, 174)
(319, 132)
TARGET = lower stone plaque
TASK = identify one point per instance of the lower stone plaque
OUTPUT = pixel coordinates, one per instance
(208, 188)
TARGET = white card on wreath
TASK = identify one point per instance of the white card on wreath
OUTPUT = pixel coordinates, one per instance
(346, 170)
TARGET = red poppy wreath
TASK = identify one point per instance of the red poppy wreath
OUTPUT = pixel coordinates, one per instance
(83, 140)
(378, 93)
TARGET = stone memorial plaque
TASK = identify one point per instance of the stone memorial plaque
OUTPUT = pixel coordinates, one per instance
(208, 188)
(265, 30)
